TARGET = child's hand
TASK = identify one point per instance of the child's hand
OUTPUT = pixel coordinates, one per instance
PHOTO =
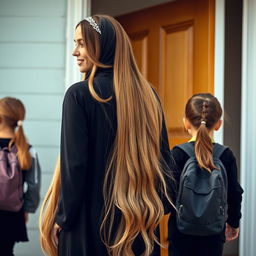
(26, 217)
(231, 233)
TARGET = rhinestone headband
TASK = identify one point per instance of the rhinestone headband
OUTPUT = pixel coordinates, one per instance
(93, 24)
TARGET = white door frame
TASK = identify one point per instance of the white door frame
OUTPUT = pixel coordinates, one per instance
(248, 130)
(219, 56)
(76, 11)
(79, 9)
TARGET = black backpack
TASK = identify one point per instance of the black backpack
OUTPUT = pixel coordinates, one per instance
(202, 195)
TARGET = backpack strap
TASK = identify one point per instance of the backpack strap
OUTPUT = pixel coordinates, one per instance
(13, 149)
(218, 150)
(188, 148)
(4, 149)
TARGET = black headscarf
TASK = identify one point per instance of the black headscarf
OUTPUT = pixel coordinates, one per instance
(107, 42)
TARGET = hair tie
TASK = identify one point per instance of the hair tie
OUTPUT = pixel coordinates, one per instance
(203, 122)
(19, 123)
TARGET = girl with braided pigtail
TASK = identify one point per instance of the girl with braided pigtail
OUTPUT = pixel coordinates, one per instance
(202, 117)
(203, 143)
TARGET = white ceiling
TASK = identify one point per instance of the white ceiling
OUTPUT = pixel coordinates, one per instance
(119, 7)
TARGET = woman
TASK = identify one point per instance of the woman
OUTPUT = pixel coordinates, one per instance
(14, 214)
(114, 153)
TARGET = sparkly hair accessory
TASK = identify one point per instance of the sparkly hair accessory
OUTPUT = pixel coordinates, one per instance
(19, 123)
(93, 24)
(203, 122)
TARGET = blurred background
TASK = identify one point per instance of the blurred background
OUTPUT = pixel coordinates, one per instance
(182, 47)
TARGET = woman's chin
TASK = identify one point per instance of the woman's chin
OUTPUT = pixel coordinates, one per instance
(83, 69)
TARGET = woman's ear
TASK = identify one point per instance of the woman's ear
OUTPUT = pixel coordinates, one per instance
(186, 123)
(218, 125)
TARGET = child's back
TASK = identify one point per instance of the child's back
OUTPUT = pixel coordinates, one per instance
(211, 245)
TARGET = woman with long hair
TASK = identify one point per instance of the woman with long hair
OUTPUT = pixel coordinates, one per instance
(15, 170)
(109, 191)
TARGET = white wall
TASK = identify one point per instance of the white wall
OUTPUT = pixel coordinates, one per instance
(32, 68)
(76, 11)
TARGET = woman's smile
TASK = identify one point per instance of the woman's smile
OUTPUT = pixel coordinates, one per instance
(79, 61)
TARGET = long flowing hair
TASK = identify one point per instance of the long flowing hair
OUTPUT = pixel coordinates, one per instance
(203, 111)
(12, 111)
(48, 213)
(134, 176)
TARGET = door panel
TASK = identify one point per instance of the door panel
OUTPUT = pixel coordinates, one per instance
(140, 50)
(176, 75)
(174, 47)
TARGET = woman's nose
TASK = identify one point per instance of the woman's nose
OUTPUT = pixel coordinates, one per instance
(75, 52)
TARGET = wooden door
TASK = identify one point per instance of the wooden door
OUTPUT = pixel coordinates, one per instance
(174, 47)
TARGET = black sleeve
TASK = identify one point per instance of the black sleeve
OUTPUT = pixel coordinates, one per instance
(32, 178)
(179, 158)
(234, 189)
(168, 166)
(74, 157)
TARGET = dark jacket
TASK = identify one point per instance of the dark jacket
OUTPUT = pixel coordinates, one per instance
(234, 192)
(87, 136)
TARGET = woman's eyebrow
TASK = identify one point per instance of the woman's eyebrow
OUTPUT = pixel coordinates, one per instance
(78, 40)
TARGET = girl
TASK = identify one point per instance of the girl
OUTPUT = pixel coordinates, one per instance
(202, 117)
(114, 153)
(13, 228)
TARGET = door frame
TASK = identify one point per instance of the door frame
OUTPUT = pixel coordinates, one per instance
(76, 11)
(248, 127)
(219, 56)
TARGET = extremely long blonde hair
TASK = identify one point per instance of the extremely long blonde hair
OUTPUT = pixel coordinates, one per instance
(48, 212)
(134, 176)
